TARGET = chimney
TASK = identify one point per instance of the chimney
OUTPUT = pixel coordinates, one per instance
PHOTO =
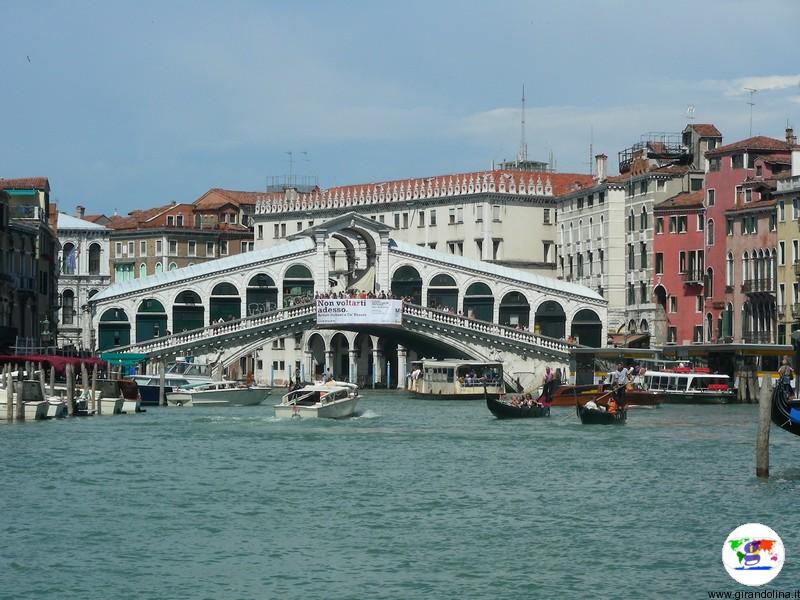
(790, 139)
(79, 211)
(601, 167)
(795, 162)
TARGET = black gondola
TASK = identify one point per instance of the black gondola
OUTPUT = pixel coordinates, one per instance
(785, 411)
(590, 416)
(501, 410)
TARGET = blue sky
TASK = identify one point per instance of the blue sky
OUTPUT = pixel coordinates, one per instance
(129, 105)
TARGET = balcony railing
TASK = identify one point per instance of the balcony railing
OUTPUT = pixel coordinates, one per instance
(757, 337)
(27, 211)
(790, 184)
(692, 278)
(758, 286)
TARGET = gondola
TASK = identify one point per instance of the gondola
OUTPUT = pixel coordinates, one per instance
(589, 416)
(785, 411)
(502, 410)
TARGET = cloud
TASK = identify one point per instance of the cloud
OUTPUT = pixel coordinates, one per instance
(761, 83)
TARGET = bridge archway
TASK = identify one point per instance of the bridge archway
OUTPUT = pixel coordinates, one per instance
(261, 295)
(340, 358)
(479, 302)
(188, 312)
(114, 329)
(298, 283)
(151, 320)
(443, 292)
(515, 310)
(225, 303)
(406, 281)
(550, 320)
(587, 328)
(316, 348)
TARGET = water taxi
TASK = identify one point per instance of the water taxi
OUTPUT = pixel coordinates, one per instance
(331, 400)
(690, 385)
(456, 379)
(219, 393)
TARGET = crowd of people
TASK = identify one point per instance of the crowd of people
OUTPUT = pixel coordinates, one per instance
(360, 295)
(524, 401)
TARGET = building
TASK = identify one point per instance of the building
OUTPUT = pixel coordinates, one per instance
(164, 238)
(501, 216)
(606, 230)
(740, 178)
(28, 302)
(84, 271)
(679, 246)
(219, 206)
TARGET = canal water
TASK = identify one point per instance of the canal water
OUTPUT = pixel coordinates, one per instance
(411, 499)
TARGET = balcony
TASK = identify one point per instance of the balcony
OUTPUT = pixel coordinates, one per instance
(796, 310)
(27, 212)
(692, 278)
(789, 185)
(757, 337)
(758, 286)
(780, 309)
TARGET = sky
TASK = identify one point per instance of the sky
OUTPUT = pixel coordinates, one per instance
(126, 105)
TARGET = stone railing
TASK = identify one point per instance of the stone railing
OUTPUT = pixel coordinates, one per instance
(486, 328)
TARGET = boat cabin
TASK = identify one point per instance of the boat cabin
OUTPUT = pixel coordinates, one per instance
(317, 394)
(456, 378)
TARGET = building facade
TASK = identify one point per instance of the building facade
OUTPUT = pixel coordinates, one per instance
(28, 307)
(787, 201)
(83, 272)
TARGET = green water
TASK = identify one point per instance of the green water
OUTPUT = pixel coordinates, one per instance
(412, 499)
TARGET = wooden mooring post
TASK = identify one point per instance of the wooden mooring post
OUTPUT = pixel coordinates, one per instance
(95, 404)
(20, 416)
(52, 381)
(8, 380)
(85, 383)
(70, 391)
(162, 375)
(764, 420)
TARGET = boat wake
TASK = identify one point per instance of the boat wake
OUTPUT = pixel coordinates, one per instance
(367, 414)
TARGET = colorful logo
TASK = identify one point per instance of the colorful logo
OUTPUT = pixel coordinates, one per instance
(753, 554)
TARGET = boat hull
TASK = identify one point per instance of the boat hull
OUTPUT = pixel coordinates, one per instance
(704, 398)
(568, 395)
(110, 406)
(232, 397)
(590, 416)
(785, 411)
(461, 396)
(338, 409)
(506, 411)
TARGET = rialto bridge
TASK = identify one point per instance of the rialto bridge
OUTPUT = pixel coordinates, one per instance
(253, 311)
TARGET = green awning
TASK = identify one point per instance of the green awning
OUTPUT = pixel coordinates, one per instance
(127, 359)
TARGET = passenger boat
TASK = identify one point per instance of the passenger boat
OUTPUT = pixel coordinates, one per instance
(591, 416)
(219, 393)
(785, 410)
(687, 385)
(179, 375)
(566, 395)
(455, 379)
(331, 400)
(500, 409)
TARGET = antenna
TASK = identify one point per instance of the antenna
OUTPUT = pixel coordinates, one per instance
(690, 112)
(751, 91)
(291, 163)
(523, 146)
(591, 150)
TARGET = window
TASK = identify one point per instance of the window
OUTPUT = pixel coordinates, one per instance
(311, 223)
(94, 259)
(397, 220)
(700, 222)
(173, 248)
(711, 197)
(695, 184)
(643, 255)
(673, 304)
(673, 224)
(781, 210)
(681, 262)
(142, 270)
(170, 221)
(709, 232)
(659, 262)
(276, 231)
(68, 307)
(479, 213)
(630, 257)
(451, 213)
(661, 185)
(179, 220)
(283, 230)
(643, 219)
(143, 248)
(421, 220)
(433, 218)
(405, 220)
(123, 272)
(172, 266)
(713, 164)
(479, 244)
(382, 218)
(131, 248)
(546, 215)
(729, 274)
(631, 221)
(643, 293)
(795, 208)
(748, 195)
(432, 245)
(643, 187)
(781, 252)
(495, 212)
(210, 249)
(698, 303)
(261, 232)
(159, 247)
(192, 248)
(672, 334)
(773, 222)
(682, 223)
(590, 200)
(729, 226)
(600, 255)
(244, 247)
(601, 198)
(223, 247)
(299, 226)
(631, 296)
(737, 161)
(579, 265)
(579, 202)
(496, 249)
(659, 225)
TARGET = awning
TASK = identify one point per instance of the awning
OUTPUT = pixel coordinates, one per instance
(629, 340)
(126, 359)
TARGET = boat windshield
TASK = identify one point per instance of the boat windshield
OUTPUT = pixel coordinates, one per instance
(190, 369)
(704, 383)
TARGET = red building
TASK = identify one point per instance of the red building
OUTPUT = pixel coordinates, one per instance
(731, 188)
(679, 245)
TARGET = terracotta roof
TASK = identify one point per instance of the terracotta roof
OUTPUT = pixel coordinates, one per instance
(24, 183)
(96, 219)
(664, 170)
(706, 129)
(759, 142)
(502, 181)
(682, 200)
(777, 159)
(216, 197)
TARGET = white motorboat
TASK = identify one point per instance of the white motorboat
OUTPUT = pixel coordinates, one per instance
(219, 393)
(331, 400)
(34, 409)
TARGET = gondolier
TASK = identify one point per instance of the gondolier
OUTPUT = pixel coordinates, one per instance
(619, 380)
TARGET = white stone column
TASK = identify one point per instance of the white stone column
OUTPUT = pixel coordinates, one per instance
(377, 365)
(353, 374)
(320, 263)
(308, 366)
(402, 367)
(328, 362)
(382, 266)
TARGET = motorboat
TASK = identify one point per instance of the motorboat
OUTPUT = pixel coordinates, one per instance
(35, 407)
(181, 374)
(330, 400)
(219, 393)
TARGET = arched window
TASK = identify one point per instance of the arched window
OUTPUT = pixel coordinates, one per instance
(643, 219)
(69, 258)
(94, 259)
(631, 221)
(172, 266)
(729, 270)
(67, 307)
(708, 286)
(745, 266)
(142, 270)
(710, 232)
(159, 268)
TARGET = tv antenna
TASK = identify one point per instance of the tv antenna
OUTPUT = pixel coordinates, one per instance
(751, 91)
(523, 146)
(690, 112)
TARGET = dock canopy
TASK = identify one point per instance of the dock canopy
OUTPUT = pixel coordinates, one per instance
(126, 359)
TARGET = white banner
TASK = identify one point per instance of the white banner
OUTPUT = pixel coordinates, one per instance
(354, 311)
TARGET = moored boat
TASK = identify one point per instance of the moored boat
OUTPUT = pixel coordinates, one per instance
(502, 410)
(219, 393)
(331, 400)
(686, 385)
(785, 409)
(456, 379)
